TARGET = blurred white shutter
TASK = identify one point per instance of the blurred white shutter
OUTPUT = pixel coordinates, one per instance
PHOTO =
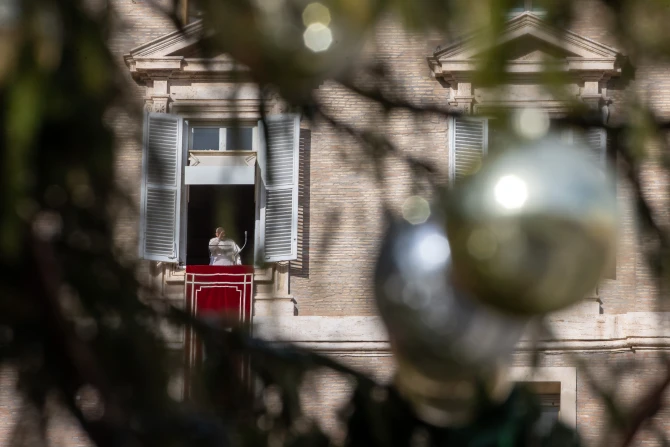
(278, 162)
(161, 187)
(594, 138)
(468, 138)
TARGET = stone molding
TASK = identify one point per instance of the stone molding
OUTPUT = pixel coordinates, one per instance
(367, 335)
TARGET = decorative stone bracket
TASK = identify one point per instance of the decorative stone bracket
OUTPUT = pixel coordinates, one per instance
(272, 297)
(158, 96)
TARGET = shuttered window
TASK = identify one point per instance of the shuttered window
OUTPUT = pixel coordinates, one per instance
(278, 162)
(469, 144)
(161, 188)
(470, 138)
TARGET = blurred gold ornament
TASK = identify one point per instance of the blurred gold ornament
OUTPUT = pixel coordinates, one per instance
(534, 229)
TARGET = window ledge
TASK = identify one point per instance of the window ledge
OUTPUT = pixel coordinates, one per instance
(176, 274)
(221, 158)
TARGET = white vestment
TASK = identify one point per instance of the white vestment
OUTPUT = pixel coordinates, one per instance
(223, 252)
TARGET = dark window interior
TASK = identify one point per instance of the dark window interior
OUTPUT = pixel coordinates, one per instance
(239, 139)
(548, 417)
(229, 206)
(205, 138)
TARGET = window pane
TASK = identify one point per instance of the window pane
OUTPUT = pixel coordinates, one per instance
(239, 139)
(205, 138)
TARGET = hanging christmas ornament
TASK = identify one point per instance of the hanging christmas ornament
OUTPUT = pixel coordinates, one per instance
(534, 229)
(446, 344)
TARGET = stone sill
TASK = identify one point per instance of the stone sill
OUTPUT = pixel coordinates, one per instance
(177, 275)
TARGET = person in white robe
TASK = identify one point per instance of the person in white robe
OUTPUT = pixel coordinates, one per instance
(223, 251)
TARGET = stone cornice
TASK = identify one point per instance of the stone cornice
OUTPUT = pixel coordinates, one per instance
(367, 335)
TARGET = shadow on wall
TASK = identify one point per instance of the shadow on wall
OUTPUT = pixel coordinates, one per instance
(300, 267)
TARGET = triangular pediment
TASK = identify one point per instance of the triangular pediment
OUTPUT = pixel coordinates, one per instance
(530, 48)
(527, 41)
(176, 53)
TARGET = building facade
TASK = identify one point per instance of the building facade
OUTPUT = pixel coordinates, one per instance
(316, 287)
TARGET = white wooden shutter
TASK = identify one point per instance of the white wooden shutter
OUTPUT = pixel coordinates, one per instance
(161, 187)
(278, 162)
(469, 143)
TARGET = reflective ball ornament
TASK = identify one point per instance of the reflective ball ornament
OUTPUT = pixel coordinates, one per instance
(443, 340)
(533, 231)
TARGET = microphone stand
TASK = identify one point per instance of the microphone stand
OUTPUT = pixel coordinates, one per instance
(245, 242)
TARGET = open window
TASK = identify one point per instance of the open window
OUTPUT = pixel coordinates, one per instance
(198, 176)
(232, 207)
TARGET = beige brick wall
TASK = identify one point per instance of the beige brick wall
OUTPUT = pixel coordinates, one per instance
(345, 197)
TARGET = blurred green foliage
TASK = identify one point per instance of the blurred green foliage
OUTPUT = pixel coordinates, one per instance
(71, 317)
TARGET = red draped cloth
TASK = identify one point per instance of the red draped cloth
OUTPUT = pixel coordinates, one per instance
(220, 291)
(222, 294)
